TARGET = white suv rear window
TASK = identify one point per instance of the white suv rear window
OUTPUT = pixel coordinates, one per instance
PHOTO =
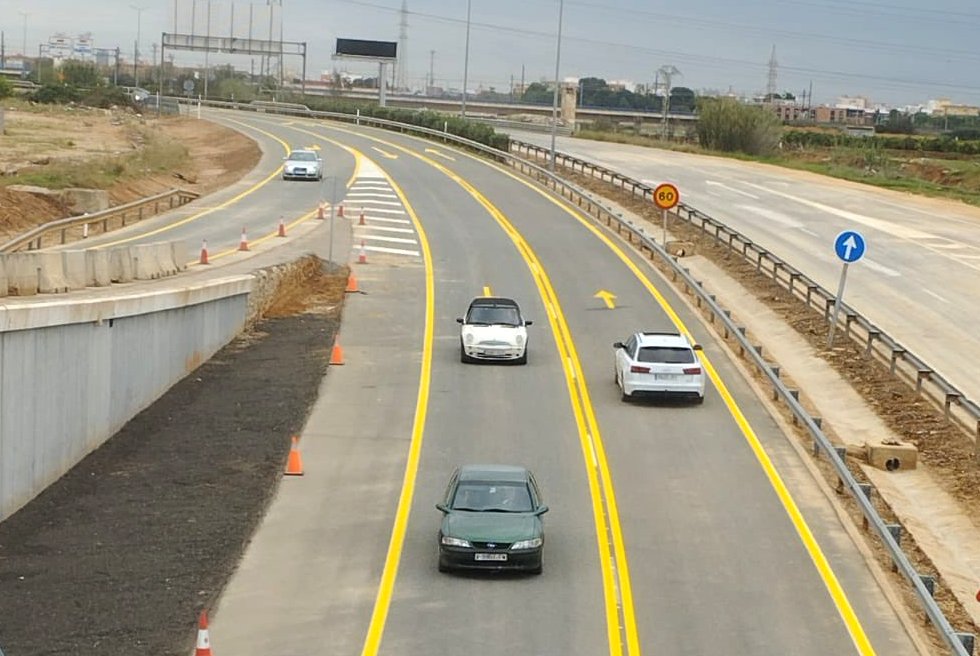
(665, 355)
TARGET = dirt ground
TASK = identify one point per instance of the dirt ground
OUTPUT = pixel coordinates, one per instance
(36, 139)
(121, 554)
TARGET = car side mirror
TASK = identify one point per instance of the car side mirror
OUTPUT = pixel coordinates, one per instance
(459, 319)
(441, 507)
(541, 510)
(528, 322)
(698, 347)
(618, 345)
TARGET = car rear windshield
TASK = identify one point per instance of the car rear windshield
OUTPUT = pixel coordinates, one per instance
(303, 157)
(494, 315)
(493, 497)
(666, 354)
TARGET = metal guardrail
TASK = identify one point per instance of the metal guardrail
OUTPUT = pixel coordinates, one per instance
(875, 342)
(34, 239)
(960, 644)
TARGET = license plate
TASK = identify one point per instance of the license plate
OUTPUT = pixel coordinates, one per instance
(665, 376)
(491, 556)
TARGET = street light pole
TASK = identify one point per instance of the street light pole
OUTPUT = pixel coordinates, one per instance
(136, 49)
(466, 56)
(23, 45)
(554, 107)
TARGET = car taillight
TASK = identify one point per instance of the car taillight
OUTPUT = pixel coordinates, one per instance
(635, 369)
(693, 371)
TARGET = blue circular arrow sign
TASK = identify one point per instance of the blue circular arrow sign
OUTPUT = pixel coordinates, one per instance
(849, 246)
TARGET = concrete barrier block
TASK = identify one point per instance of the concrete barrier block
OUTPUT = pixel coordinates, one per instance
(3, 278)
(893, 455)
(98, 268)
(121, 264)
(181, 258)
(165, 256)
(51, 273)
(76, 269)
(146, 264)
(680, 248)
(21, 271)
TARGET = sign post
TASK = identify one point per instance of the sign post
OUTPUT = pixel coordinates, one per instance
(666, 197)
(850, 247)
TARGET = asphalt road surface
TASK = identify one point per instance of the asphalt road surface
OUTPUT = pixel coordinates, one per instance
(666, 533)
(917, 280)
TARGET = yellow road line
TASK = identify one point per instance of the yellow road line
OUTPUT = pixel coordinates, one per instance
(486, 291)
(379, 615)
(590, 443)
(194, 217)
(834, 588)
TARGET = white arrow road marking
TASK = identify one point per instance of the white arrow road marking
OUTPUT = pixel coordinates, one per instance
(772, 215)
(712, 183)
(880, 268)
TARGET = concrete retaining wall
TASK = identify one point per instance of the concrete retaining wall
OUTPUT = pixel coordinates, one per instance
(53, 272)
(73, 373)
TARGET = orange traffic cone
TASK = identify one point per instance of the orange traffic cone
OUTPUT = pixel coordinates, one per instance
(337, 353)
(282, 228)
(351, 284)
(361, 220)
(340, 211)
(294, 466)
(362, 256)
(243, 244)
(203, 637)
(204, 251)
(319, 210)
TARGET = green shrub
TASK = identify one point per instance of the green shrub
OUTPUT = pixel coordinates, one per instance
(56, 94)
(728, 125)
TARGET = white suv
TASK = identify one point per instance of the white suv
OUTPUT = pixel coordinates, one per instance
(659, 364)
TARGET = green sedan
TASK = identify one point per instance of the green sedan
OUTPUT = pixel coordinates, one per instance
(491, 520)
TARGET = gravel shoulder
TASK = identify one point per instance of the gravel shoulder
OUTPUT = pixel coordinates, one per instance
(121, 554)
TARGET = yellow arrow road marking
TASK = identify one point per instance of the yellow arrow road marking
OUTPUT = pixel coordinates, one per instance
(607, 297)
(439, 153)
(313, 147)
(384, 153)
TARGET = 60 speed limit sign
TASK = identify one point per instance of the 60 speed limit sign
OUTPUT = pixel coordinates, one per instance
(666, 196)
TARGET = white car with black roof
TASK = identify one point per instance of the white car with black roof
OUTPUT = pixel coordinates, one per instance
(493, 330)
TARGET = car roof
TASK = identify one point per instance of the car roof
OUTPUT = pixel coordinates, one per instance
(669, 339)
(493, 301)
(501, 473)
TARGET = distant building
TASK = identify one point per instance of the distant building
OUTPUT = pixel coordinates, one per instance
(944, 107)
(842, 116)
(621, 85)
(790, 111)
(853, 102)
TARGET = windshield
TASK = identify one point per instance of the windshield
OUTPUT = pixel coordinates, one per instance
(665, 355)
(302, 157)
(488, 314)
(492, 497)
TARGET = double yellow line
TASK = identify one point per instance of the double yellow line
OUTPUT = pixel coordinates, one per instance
(617, 592)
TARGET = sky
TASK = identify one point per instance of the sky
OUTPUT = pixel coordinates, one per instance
(899, 53)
